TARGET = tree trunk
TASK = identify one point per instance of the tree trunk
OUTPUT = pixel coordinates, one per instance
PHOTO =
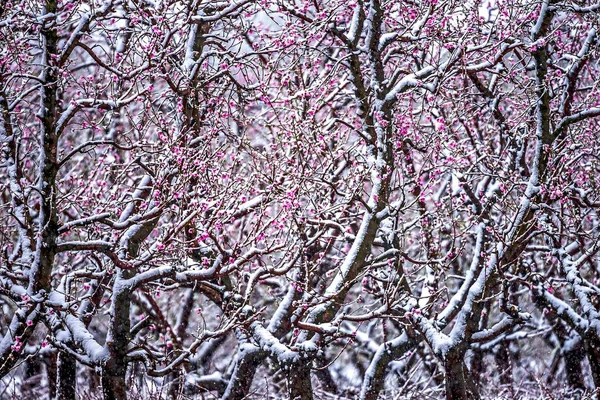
(176, 380)
(573, 357)
(376, 373)
(114, 386)
(50, 361)
(243, 374)
(66, 377)
(592, 348)
(458, 382)
(477, 367)
(299, 383)
(456, 385)
(503, 362)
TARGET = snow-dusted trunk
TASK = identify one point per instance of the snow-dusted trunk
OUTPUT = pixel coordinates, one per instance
(573, 358)
(114, 373)
(66, 377)
(114, 386)
(377, 371)
(476, 368)
(458, 382)
(502, 356)
(300, 386)
(249, 359)
(572, 352)
(455, 382)
(592, 347)
(51, 373)
(40, 275)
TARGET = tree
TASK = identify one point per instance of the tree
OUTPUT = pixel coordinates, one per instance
(240, 198)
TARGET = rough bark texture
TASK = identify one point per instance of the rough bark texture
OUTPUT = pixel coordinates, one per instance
(592, 347)
(243, 374)
(458, 382)
(114, 386)
(503, 363)
(299, 383)
(66, 383)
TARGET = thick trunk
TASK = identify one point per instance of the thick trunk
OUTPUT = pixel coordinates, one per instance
(299, 383)
(573, 358)
(592, 347)
(251, 357)
(50, 361)
(113, 374)
(66, 377)
(375, 376)
(458, 382)
(376, 372)
(243, 374)
(114, 386)
(503, 362)
(176, 381)
(456, 385)
(40, 274)
(477, 367)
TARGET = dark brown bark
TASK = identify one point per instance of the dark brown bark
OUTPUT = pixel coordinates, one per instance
(477, 367)
(573, 359)
(592, 348)
(48, 224)
(113, 374)
(114, 386)
(299, 383)
(458, 382)
(455, 383)
(40, 276)
(51, 360)
(243, 375)
(66, 377)
(503, 362)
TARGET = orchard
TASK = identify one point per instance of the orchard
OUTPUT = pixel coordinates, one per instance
(309, 199)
